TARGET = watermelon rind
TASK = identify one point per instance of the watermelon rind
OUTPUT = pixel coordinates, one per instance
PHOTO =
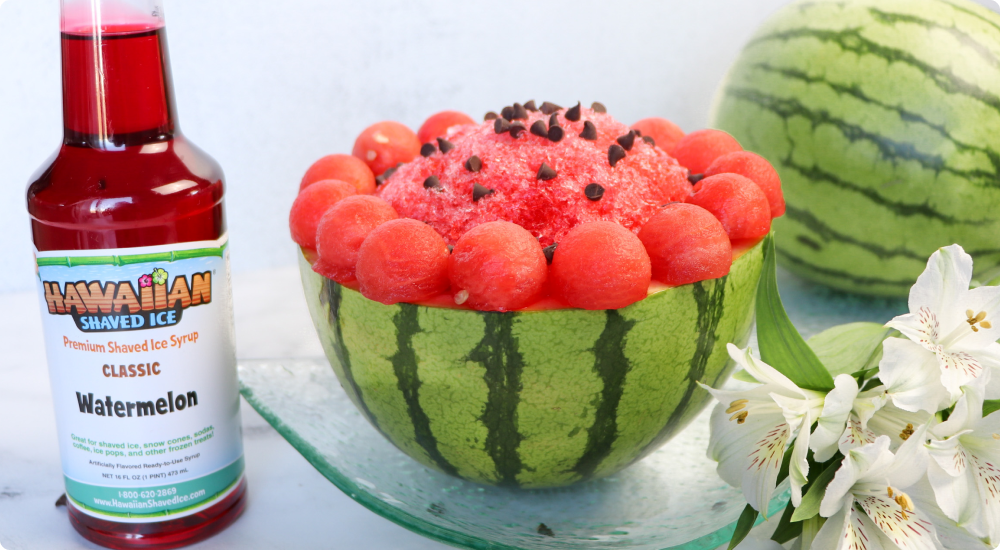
(882, 118)
(534, 398)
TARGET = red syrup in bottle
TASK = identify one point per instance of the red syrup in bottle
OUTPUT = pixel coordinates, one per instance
(124, 177)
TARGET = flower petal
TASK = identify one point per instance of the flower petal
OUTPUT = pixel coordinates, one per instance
(760, 370)
(846, 531)
(857, 464)
(921, 326)
(798, 467)
(761, 467)
(982, 300)
(731, 441)
(954, 488)
(853, 437)
(943, 284)
(836, 409)
(958, 368)
(987, 476)
(912, 376)
(909, 530)
(950, 534)
(894, 422)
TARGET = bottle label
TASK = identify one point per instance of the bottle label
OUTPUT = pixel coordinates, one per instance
(141, 359)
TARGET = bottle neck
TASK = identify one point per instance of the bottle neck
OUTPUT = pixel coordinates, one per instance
(117, 88)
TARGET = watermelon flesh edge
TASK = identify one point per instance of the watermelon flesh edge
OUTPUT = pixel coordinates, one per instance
(534, 398)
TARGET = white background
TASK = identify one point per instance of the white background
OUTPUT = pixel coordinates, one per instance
(268, 87)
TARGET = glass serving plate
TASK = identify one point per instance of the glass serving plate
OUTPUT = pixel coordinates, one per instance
(672, 499)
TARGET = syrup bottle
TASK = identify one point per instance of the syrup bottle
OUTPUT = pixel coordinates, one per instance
(133, 268)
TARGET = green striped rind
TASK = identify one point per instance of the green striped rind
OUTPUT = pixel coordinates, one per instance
(881, 117)
(534, 399)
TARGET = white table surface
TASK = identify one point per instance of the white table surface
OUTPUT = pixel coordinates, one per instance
(290, 505)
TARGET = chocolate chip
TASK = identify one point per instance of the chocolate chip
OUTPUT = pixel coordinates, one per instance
(490, 116)
(598, 107)
(554, 120)
(549, 251)
(594, 191)
(555, 133)
(445, 145)
(589, 131)
(516, 129)
(61, 501)
(501, 125)
(427, 149)
(507, 112)
(520, 112)
(544, 530)
(637, 132)
(615, 154)
(478, 192)
(387, 174)
(530, 105)
(451, 248)
(473, 164)
(573, 113)
(539, 129)
(545, 172)
(549, 108)
(695, 178)
(627, 141)
(649, 140)
(432, 182)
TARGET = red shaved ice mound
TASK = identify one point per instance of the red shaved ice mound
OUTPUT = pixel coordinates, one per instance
(737, 202)
(664, 133)
(437, 125)
(600, 265)
(386, 144)
(758, 170)
(686, 244)
(547, 171)
(310, 206)
(341, 167)
(342, 230)
(698, 150)
(402, 261)
(498, 266)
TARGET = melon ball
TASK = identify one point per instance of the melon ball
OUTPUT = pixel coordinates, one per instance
(686, 244)
(499, 265)
(697, 150)
(437, 124)
(310, 206)
(666, 134)
(341, 167)
(342, 230)
(386, 144)
(600, 265)
(402, 260)
(758, 170)
(737, 202)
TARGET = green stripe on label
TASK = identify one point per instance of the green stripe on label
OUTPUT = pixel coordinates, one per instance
(154, 501)
(73, 261)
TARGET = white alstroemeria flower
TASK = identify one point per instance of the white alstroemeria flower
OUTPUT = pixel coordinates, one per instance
(965, 467)
(866, 509)
(837, 411)
(960, 327)
(751, 428)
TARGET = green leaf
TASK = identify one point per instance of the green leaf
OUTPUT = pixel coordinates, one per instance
(991, 406)
(781, 346)
(786, 529)
(809, 506)
(743, 526)
(850, 348)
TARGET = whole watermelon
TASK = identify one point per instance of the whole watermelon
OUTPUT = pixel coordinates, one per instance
(534, 398)
(883, 120)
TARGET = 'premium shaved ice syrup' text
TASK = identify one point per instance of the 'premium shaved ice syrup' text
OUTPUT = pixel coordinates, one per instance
(133, 275)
